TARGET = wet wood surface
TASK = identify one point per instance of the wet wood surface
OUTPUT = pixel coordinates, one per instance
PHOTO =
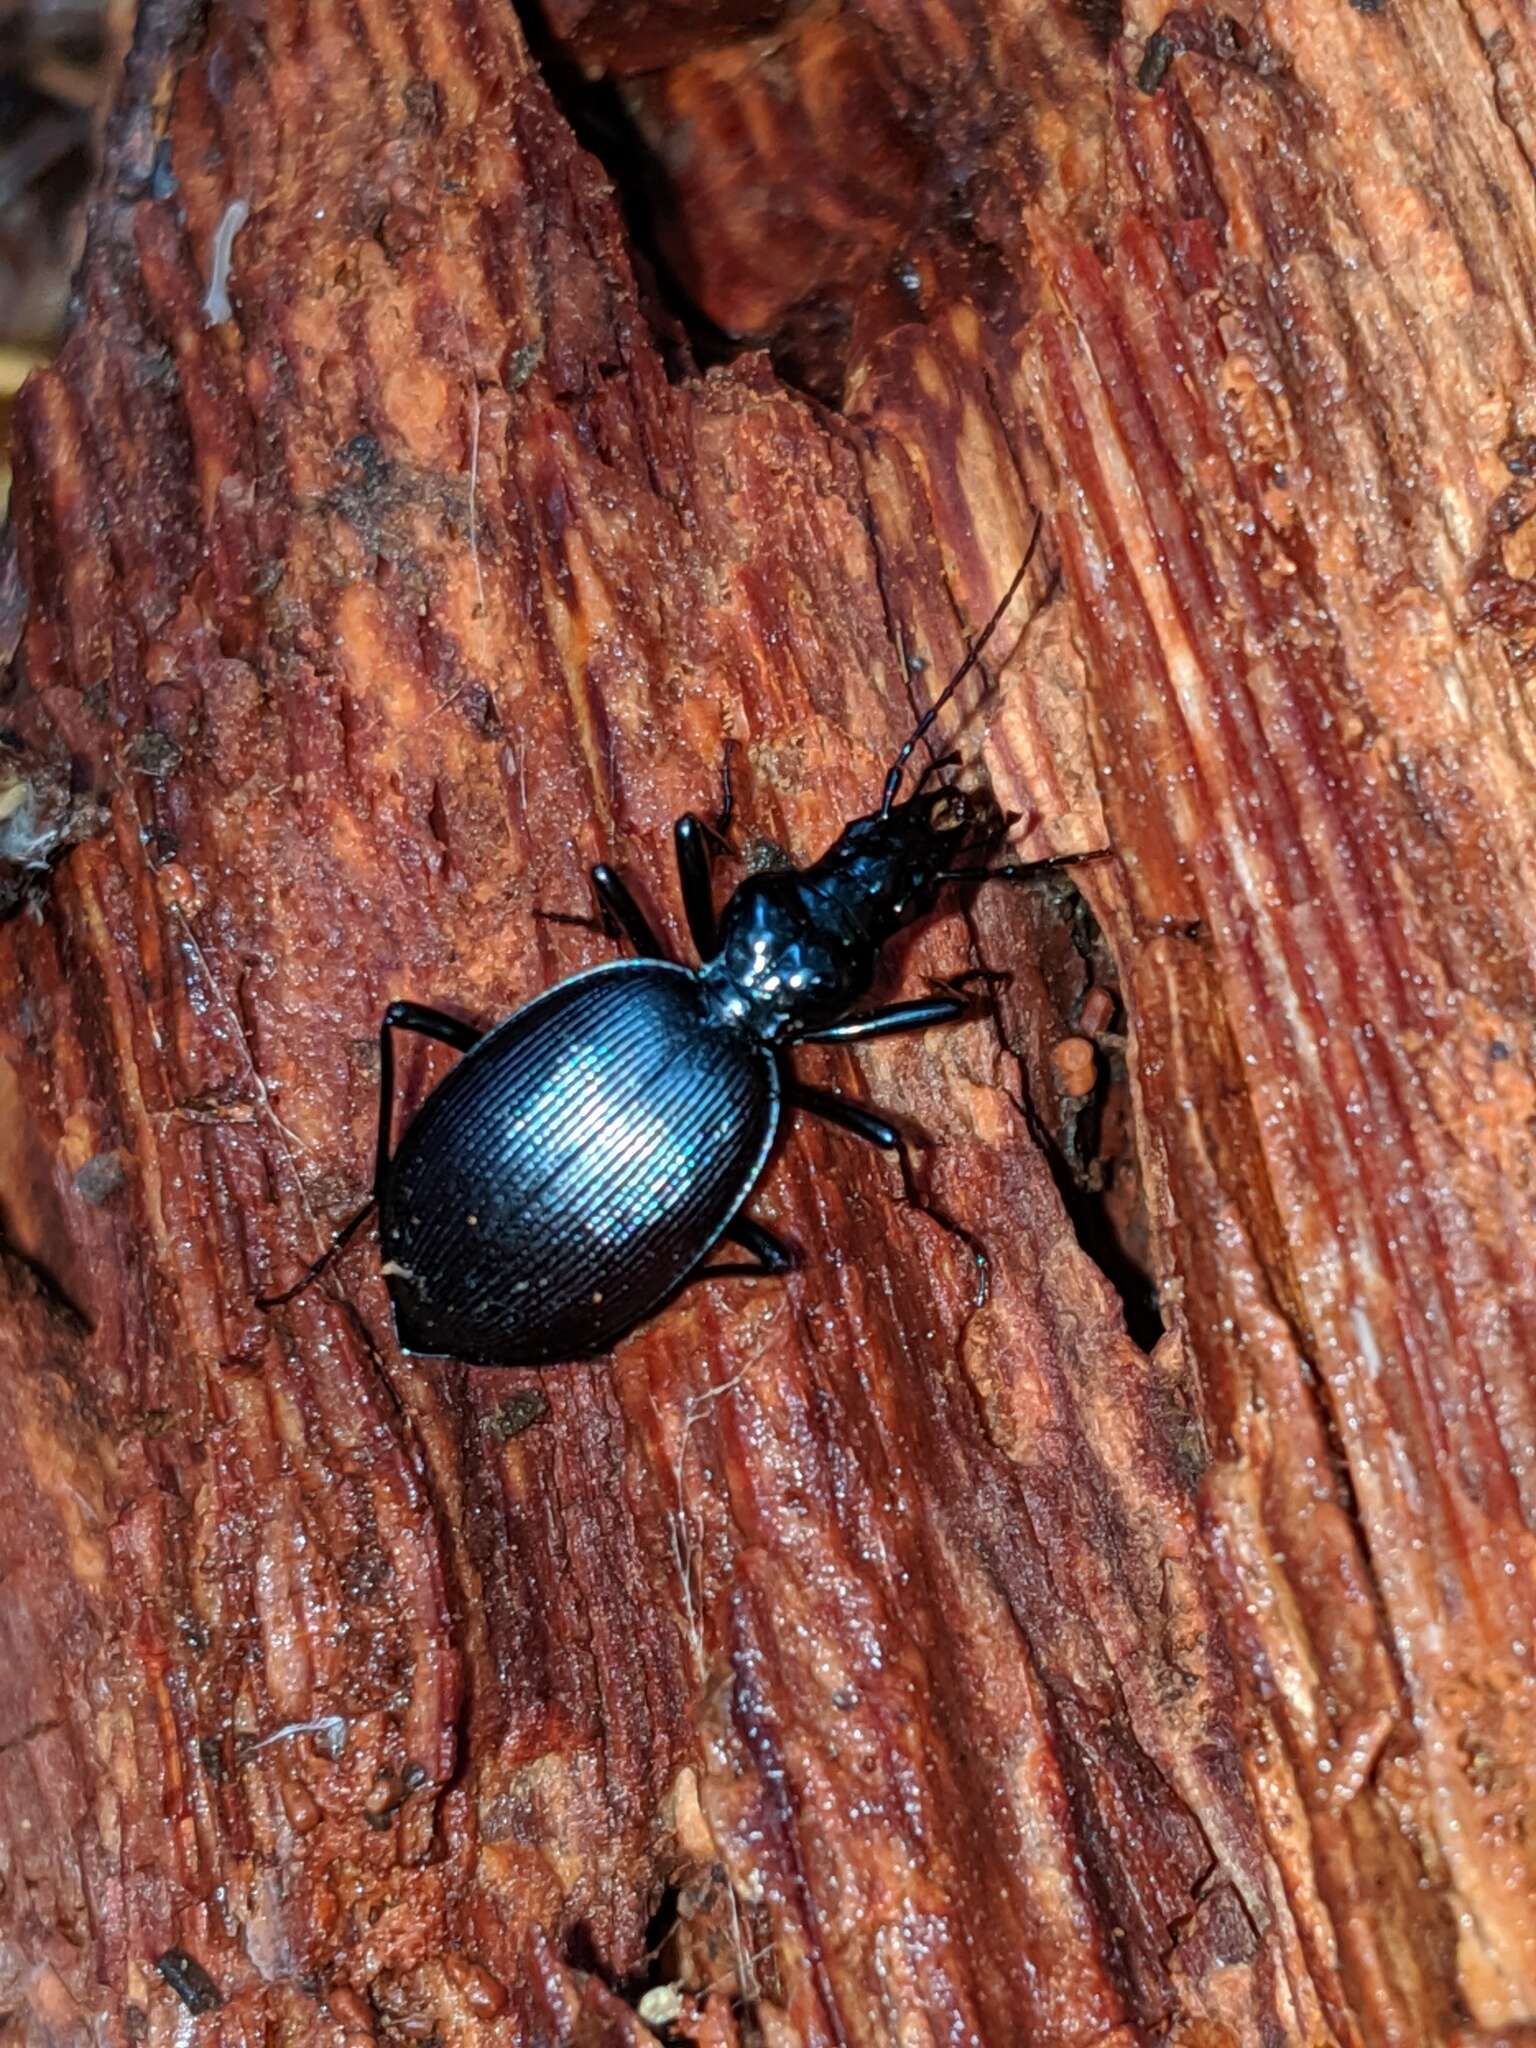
(1141, 1653)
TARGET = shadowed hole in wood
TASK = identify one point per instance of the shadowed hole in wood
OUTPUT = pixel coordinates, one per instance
(1089, 1142)
(748, 229)
(594, 108)
(673, 1960)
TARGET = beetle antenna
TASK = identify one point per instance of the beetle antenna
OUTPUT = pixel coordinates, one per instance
(899, 765)
(312, 1272)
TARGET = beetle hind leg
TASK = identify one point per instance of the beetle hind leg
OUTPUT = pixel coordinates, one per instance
(426, 1023)
(316, 1267)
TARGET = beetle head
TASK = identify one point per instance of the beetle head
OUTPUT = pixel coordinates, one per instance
(887, 868)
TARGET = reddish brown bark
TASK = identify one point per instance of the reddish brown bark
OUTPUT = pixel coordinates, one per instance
(868, 1664)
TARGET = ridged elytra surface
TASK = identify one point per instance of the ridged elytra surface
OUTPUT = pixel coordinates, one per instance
(573, 1168)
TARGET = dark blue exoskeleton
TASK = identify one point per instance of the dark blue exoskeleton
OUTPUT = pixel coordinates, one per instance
(584, 1158)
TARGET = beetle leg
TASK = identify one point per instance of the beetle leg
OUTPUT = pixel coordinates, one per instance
(615, 902)
(837, 1109)
(913, 1016)
(1023, 870)
(727, 810)
(774, 1255)
(935, 767)
(864, 1124)
(316, 1267)
(436, 1024)
(690, 835)
(398, 1017)
(426, 1024)
(770, 1253)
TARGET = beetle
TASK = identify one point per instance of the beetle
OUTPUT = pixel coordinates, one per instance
(585, 1156)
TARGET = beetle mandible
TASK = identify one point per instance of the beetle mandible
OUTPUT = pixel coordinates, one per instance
(584, 1157)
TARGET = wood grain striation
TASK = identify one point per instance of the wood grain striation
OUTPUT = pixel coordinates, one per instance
(1140, 1654)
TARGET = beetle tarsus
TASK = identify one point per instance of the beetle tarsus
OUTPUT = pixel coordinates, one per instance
(1024, 870)
(316, 1267)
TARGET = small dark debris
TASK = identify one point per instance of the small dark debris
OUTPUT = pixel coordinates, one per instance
(413, 1777)
(1155, 60)
(135, 2023)
(424, 105)
(99, 1178)
(1518, 454)
(210, 1754)
(190, 1981)
(363, 1571)
(155, 754)
(389, 1793)
(155, 1421)
(522, 363)
(364, 455)
(518, 1412)
(1498, 1050)
(162, 178)
(188, 1627)
(1367, 6)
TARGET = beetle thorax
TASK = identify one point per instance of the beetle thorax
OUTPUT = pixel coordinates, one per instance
(783, 965)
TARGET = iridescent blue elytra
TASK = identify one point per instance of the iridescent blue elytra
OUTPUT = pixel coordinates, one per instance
(574, 1166)
(586, 1156)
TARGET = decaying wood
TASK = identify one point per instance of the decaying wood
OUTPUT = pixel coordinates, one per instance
(847, 1662)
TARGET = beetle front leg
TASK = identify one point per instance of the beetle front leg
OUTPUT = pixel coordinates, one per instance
(623, 912)
(691, 837)
(1023, 870)
(852, 1116)
(619, 916)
